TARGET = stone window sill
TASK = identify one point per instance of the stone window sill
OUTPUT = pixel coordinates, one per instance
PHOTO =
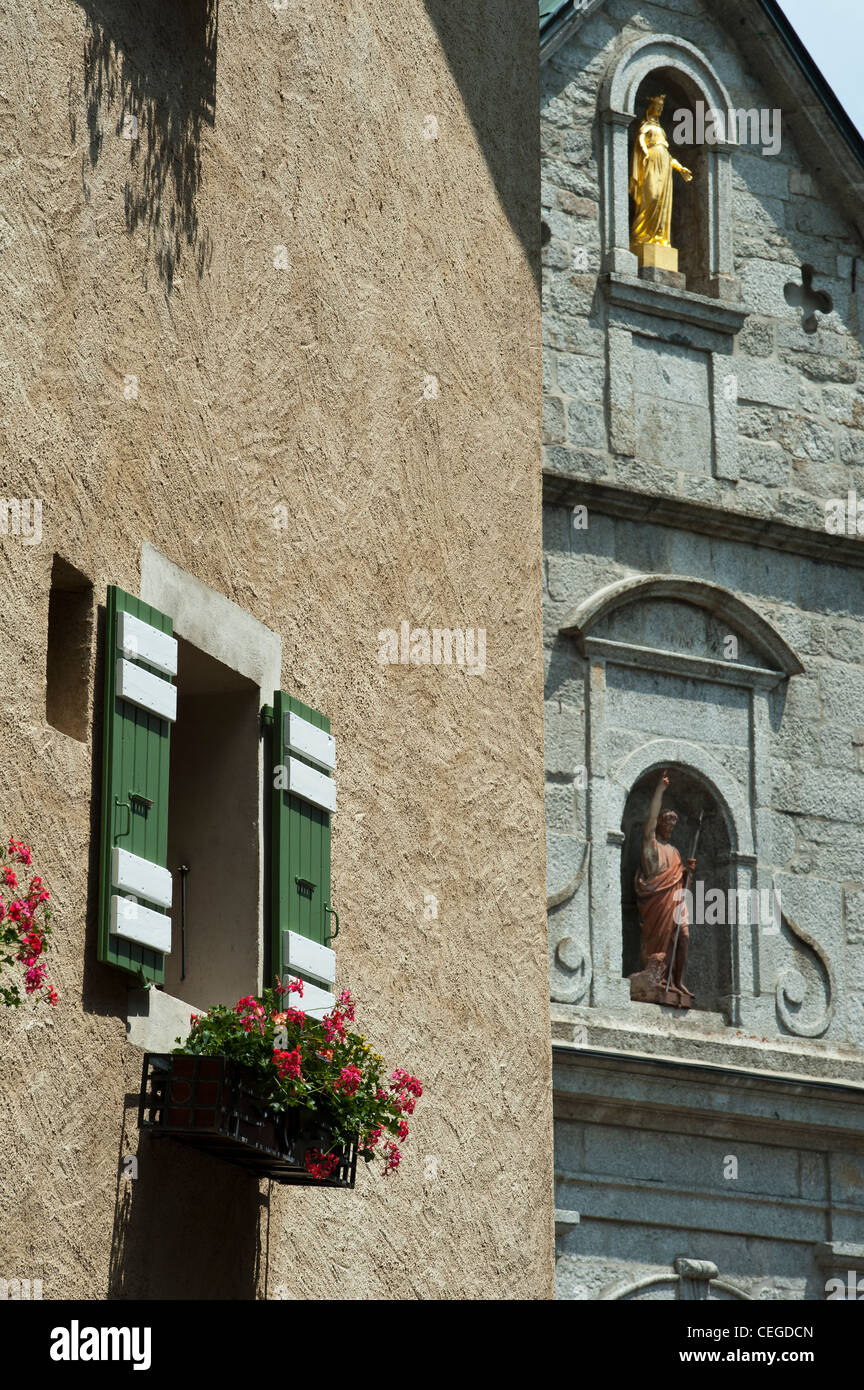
(665, 301)
(155, 1020)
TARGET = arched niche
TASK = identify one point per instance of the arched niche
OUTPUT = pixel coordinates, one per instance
(679, 674)
(710, 970)
(647, 67)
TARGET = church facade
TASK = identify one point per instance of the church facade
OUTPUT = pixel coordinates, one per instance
(704, 621)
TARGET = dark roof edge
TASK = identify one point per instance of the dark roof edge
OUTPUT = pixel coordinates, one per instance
(815, 77)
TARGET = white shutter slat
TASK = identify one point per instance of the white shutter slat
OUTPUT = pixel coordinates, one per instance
(147, 691)
(305, 782)
(315, 744)
(315, 1002)
(139, 641)
(309, 957)
(137, 923)
(132, 874)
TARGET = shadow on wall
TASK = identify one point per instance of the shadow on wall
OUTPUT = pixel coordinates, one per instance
(157, 63)
(492, 48)
(186, 1225)
(154, 64)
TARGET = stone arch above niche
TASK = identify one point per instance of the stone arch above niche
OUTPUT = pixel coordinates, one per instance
(588, 617)
(692, 73)
(691, 1280)
(631, 65)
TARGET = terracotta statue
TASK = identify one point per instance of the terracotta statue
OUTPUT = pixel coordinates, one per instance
(651, 187)
(662, 911)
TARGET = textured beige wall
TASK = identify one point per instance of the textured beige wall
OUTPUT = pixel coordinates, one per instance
(303, 386)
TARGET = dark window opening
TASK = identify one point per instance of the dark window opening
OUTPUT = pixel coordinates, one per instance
(70, 637)
(213, 833)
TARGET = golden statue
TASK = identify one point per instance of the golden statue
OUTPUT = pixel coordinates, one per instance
(651, 190)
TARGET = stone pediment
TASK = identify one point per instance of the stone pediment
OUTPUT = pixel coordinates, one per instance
(683, 625)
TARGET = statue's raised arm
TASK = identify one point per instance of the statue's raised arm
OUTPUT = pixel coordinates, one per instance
(650, 853)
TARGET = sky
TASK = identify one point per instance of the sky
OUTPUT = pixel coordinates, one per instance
(833, 31)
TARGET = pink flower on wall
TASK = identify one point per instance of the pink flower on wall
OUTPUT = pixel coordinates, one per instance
(26, 919)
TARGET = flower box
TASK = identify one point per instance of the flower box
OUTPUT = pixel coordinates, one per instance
(212, 1104)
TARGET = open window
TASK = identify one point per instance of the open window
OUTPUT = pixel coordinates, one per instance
(213, 833)
(215, 857)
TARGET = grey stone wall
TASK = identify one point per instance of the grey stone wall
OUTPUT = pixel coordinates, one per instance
(697, 440)
(735, 1179)
(800, 407)
(793, 430)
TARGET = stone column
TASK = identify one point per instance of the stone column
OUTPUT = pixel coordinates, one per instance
(745, 981)
(617, 255)
(608, 988)
(721, 264)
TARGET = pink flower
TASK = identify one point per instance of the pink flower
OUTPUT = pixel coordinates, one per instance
(403, 1130)
(295, 987)
(287, 1063)
(320, 1165)
(9, 876)
(349, 1080)
(391, 1152)
(408, 1088)
(346, 1005)
(332, 1025)
(401, 1079)
(34, 978)
(52, 996)
(193, 1019)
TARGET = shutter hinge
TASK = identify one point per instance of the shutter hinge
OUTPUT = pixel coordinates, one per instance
(267, 718)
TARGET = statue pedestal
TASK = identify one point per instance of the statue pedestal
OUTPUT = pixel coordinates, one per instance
(651, 253)
(659, 264)
(646, 989)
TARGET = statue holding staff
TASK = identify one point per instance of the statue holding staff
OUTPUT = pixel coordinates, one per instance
(660, 883)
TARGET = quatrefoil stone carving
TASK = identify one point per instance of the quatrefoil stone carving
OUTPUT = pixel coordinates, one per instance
(808, 300)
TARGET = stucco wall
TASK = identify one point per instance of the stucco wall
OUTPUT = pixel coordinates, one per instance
(301, 388)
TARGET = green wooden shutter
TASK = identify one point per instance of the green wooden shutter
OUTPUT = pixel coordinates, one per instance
(300, 834)
(139, 694)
